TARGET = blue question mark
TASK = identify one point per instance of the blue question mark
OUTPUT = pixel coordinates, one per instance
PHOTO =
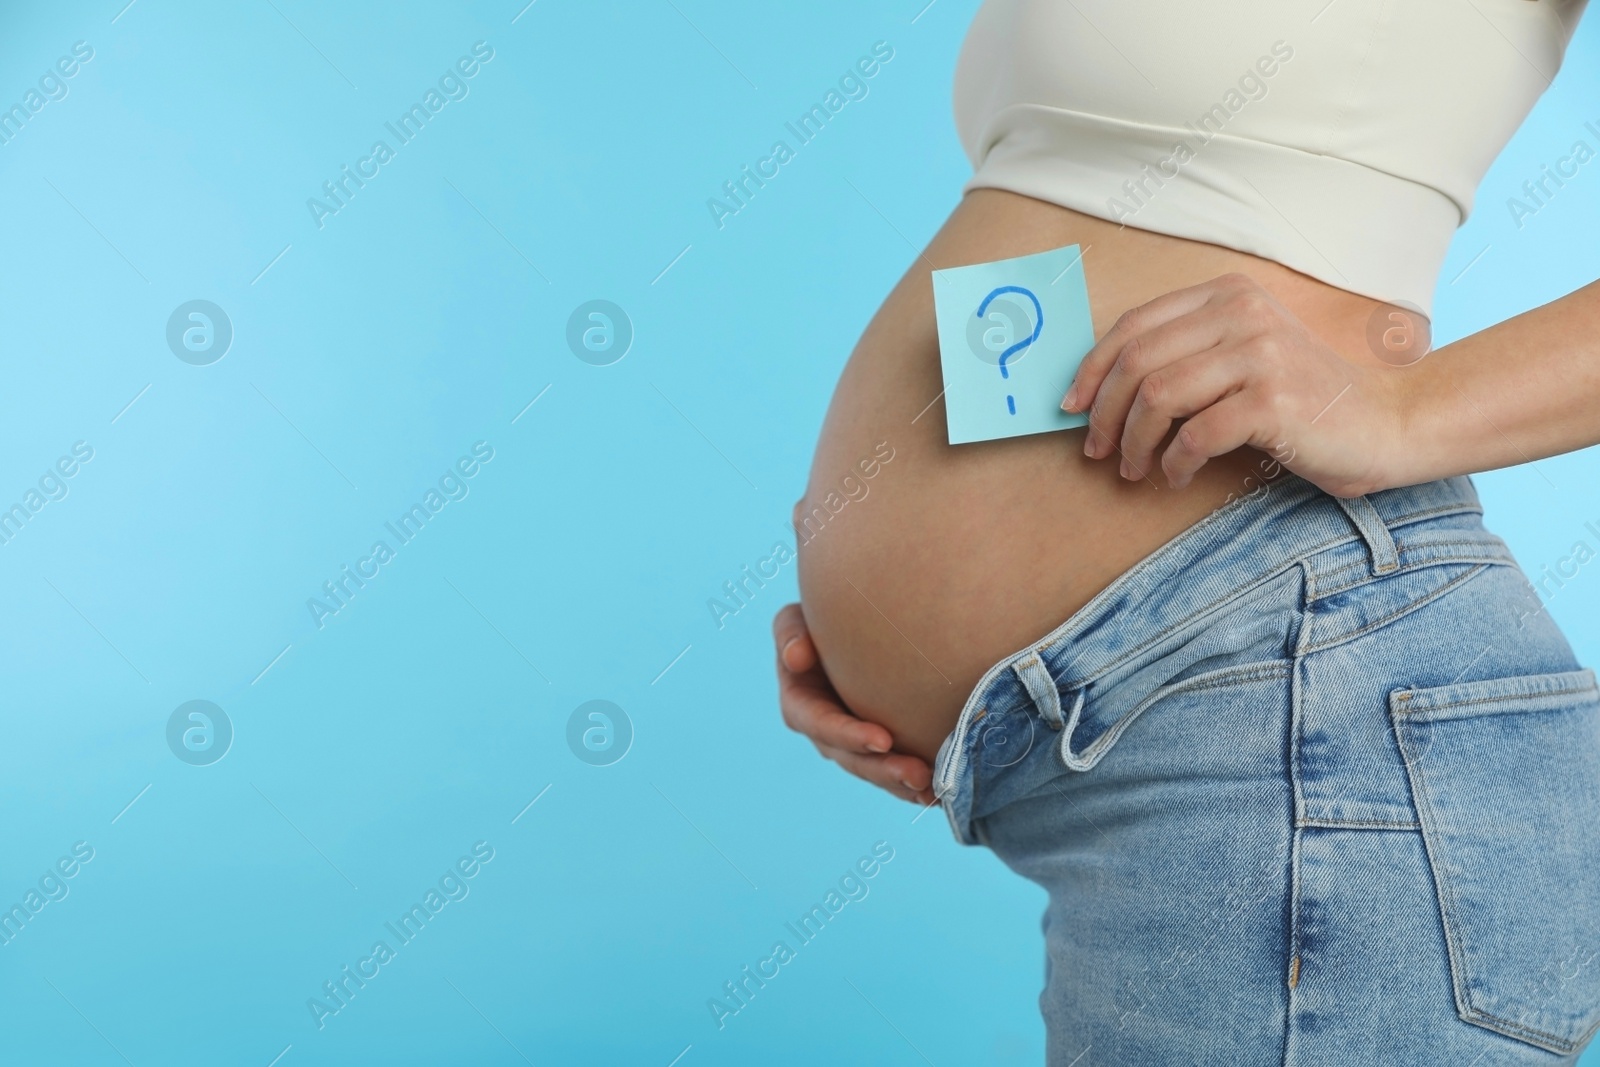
(1038, 325)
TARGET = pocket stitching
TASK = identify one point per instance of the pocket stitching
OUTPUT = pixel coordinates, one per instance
(1404, 698)
(1467, 1011)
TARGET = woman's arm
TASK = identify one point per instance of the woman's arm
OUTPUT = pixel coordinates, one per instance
(1521, 390)
(1236, 368)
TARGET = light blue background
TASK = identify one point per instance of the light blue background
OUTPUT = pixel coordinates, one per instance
(365, 360)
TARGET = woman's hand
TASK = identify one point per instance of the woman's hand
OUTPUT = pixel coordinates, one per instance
(811, 707)
(1236, 368)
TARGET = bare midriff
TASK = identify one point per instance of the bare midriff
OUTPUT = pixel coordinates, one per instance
(934, 565)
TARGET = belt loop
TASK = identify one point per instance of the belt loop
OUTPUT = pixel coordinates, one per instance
(1041, 687)
(1385, 557)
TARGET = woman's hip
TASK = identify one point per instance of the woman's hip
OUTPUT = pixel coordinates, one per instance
(1318, 776)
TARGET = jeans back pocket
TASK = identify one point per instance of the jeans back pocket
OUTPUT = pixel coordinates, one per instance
(1505, 776)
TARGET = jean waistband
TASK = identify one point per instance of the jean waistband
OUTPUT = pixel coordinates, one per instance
(1242, 545)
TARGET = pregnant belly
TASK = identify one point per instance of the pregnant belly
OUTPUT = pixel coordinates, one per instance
(922, 564)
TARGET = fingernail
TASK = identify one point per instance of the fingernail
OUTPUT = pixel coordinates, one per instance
(873, 746)
(1127, 471)
(1088, 445)
(909, 788)
(1071, 399)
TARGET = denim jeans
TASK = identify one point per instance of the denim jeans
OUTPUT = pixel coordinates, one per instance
(1316, 783)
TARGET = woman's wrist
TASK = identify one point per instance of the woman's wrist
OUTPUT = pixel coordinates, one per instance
(1439, 429)
(1407, 451)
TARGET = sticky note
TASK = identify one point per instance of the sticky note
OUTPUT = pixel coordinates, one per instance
(1011, 336)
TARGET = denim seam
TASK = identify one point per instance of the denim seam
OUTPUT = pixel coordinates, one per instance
(1452, 561)
(1442, 892)
(1291, 991)
(1504, 698)
(1240, 593)
(1361, 566)
(1351, 537)
(1325, 588)
(1224, 677)
(1448, 909)
(1411, 606)
(970, 743)
(1296, 684)
(1443, 509)
(1297, 802)
(1315, 823)
(1091, 754)
(1458, 542)
(1199, 613)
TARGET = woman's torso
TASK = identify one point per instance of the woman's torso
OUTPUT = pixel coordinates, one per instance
(1346, 142)
(950, 557)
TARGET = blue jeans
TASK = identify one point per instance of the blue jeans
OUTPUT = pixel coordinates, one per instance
(1316, 783)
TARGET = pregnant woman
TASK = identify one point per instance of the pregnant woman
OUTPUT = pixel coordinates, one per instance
(1236, 673)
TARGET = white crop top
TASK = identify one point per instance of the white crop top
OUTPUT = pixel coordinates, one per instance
(1344, 140)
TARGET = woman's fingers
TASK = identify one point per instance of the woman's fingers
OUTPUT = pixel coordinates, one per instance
(812, 708)
(809, 704)
(1218, 430)
(817, 713)
(907, 777)
(1133, 323)
(1175, 392)
(1236, 368)
(1150, 352)
(793, 639)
